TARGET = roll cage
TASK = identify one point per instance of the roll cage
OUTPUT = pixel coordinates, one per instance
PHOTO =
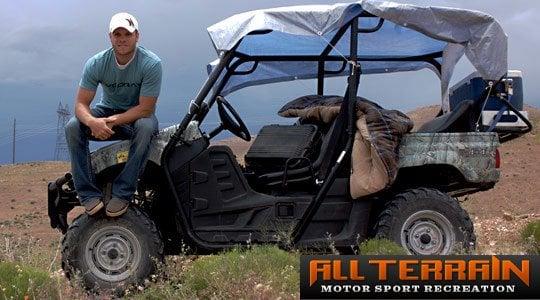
(229, 64)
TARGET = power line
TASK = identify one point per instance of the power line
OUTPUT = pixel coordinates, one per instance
(24, 134)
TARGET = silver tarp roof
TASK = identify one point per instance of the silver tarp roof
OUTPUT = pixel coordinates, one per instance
(408, 30)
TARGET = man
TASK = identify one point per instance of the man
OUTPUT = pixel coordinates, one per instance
(130, 77)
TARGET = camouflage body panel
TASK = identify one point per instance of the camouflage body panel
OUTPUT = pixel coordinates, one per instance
(118, 152)
(472, 153)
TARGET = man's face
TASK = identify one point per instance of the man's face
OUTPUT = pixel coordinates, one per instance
(123, 41)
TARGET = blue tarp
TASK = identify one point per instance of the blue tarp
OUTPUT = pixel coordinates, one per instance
(407, 31)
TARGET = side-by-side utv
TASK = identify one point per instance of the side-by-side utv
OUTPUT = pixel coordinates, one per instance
(294, 188)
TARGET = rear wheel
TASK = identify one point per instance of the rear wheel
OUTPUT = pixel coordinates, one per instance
(111, 254)
(426, 222)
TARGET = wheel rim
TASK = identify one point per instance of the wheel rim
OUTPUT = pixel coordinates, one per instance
(113, 253)
(427, 232)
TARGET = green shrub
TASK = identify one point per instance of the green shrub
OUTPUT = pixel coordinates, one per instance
(531, 236)
(261, 272)
(379, 246)
(18, 281)
(239, 271)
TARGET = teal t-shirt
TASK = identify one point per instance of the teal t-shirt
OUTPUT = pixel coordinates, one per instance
(122, 87)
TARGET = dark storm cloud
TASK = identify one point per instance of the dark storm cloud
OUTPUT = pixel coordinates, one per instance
(38, 53)
(57, 39)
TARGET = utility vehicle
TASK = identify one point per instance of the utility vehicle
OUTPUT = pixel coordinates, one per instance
(293, 189)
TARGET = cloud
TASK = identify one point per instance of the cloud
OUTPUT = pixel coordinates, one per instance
(40, 42)
(39, 53)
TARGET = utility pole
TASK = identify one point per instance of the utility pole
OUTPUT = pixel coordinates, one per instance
(61, 150)
(14, 124)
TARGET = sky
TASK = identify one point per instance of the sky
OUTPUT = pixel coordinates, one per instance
(45, 44)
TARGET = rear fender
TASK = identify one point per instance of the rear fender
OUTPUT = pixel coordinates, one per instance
(471, 153)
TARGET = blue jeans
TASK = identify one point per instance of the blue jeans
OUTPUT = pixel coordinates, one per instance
(78, 135)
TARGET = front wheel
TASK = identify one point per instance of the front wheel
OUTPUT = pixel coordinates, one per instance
(111, 254)
(426, 222)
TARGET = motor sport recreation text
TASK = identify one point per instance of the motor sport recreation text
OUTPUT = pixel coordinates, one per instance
(385, 288)
(419, 277)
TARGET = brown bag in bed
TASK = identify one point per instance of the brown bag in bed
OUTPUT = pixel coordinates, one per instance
(374, 159)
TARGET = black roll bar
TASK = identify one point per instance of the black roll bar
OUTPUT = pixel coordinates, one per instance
(231, 70)
(324, 54)
(350, 103)
(370, 30)
(193, 108)
(227, 57)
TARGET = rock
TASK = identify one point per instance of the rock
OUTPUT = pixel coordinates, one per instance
(508, 217)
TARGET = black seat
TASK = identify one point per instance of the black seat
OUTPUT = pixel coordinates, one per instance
(311, 173)
(276, 144)
(305, 174)
(458, 120)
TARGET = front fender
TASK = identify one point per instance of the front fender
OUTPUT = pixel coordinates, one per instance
(117, 153)
(61, 199)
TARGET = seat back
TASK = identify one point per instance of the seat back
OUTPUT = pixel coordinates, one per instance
(461, 119)
(325, 147)
(332, 143)
(305, 174)
(275, 144)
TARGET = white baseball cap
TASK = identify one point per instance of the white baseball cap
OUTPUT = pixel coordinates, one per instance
(123, 20)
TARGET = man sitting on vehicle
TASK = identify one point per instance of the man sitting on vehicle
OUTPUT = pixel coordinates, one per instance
(130, 76)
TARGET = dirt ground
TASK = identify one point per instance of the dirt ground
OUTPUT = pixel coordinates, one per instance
(498, 214)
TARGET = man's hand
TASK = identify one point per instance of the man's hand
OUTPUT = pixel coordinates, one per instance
(144, 109)
(112, 121)
(100, 128)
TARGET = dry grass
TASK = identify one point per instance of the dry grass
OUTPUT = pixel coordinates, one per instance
(28, 269)
(378, 246)
(263, 272)
(18, 282)
(531, 237)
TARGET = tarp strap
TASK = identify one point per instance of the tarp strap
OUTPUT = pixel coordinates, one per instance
(351, 62)
(487, 93)
(497, 118)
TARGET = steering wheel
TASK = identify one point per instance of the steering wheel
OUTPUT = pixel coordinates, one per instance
(233, 124)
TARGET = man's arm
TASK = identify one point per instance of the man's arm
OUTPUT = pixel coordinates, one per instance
(82, 105)
(146, 108)
(98, 126)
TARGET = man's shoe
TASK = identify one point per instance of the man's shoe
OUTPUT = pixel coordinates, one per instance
(116, 207)
(93, 206)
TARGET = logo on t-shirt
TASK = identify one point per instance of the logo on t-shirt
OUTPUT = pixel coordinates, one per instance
(122, 84)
